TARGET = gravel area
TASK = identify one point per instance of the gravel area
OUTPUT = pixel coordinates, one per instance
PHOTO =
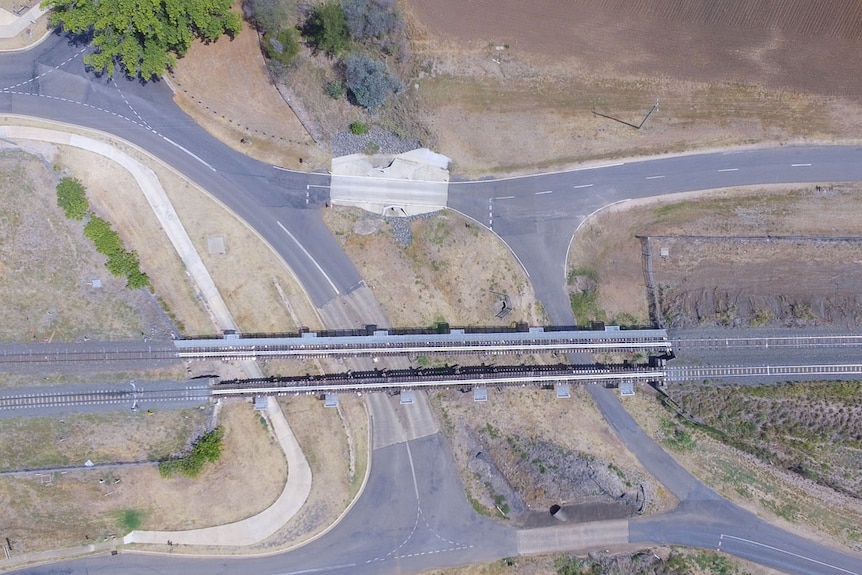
(402, 233)
(376, 140)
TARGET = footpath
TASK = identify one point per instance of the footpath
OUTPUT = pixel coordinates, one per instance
(12, 24)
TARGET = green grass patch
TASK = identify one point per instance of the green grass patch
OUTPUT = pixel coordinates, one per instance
(205, 450)
(130, 519)
(585, 306)
(121, 263)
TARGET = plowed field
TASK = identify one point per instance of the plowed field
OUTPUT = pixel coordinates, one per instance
(801, 44)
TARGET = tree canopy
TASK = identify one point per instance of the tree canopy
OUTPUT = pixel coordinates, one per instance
(143, 37)
(327, 28)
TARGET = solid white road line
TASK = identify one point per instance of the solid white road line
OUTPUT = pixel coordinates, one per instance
(815, 561)
(171, 142)
(729, 170)
(308, 255)
(582, 186)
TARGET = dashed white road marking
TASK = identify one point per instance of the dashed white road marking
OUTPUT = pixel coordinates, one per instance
(504, 198)
(653, 177)
(799, 165)
(729, 170)
(582, 186)
(543, 193)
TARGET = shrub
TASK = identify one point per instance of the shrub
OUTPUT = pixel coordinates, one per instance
(268, 16)
(327, 30)
(206, 449)
(282, 47)
(334, 89)
(120, 262)
(72, 197)
(370, 18)
(358, 128)
(368, 81)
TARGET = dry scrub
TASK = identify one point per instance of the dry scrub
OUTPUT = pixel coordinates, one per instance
(454, 271)
(541, 446)
(607, 250)
(781, 497)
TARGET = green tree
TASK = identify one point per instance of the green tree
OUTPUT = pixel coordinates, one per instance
(143, 37)
(327, 30)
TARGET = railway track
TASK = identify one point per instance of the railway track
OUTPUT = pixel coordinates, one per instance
(768, 342)
(702, 373)
(126, 398)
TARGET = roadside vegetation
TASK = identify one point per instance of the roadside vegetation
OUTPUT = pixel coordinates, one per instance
(773, 491)
(348, 51)
(811, 429)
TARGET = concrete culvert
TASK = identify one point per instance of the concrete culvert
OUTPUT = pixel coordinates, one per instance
(558, 513)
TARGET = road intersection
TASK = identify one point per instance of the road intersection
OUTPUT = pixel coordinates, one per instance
(410, 522)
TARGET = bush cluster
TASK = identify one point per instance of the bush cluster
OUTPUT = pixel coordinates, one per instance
(206, 449)
(121, 263)
(72, 198)
(368, 81)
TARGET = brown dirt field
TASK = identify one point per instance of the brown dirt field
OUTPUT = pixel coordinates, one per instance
(607, 245)
(449, 273)
(783, 498)
(76, 509)
(207, 83)
(500, 95)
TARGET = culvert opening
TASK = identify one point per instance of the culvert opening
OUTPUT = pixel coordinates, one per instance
(558, 513)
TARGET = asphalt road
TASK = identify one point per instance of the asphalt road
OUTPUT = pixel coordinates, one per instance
(402, 525)
(50, 82)
(537, 215)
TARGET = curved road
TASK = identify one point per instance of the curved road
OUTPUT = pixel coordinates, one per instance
(409, 522)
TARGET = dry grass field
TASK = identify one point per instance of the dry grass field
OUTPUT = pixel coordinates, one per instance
(453, 271)
(812, 429)
(75, 508)
(47, 266)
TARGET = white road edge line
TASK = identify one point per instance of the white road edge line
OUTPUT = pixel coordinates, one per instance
(800, 165)
(198, 158)
(308, 255)
(582, 186)
(789, 553)
(542, 193)
(653, 177)
(729, 170)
